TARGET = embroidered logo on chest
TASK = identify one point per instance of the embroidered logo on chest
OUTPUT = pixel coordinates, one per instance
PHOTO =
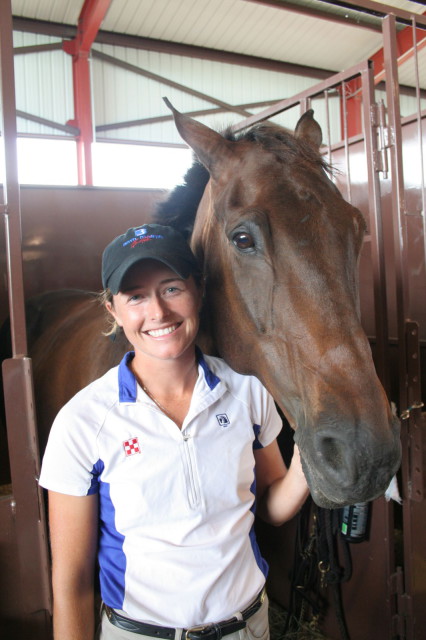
(223, 420)
(131, 446)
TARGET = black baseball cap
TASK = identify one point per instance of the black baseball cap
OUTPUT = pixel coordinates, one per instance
(154, 241)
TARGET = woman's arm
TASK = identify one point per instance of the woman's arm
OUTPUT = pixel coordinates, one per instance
(73, 536)
(281, 492)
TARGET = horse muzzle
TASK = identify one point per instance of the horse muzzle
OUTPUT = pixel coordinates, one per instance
(348, 464)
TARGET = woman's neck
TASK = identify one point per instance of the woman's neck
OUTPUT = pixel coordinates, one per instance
(169, 383)
(166, 378)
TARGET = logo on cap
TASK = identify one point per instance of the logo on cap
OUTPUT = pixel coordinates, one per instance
(140, 232)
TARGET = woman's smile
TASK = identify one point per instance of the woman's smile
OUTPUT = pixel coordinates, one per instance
(159, 333)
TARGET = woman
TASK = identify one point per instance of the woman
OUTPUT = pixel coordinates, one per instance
(150, 469)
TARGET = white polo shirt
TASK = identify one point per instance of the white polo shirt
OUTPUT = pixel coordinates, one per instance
(177, 545)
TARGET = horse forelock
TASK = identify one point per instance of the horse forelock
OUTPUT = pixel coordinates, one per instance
(282, 143)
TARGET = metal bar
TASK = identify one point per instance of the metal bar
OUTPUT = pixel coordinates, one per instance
(382, 360)
(287, 103)
(66, 128)
(404, 90)
(204, 53)
(89, 22)
(173, 48)
(383, 137)
(353, 107)
(90, 19)
(345, 138)
(82, 116)
(318, 14)
(58, 29)
(42, 136)
(398, 196)
(11, 186)
(376, 8)
(377, 249)
(398, 210)
(419, 128)
(32, 562)
(37, 48)
(144, 143)
(154, 76)
(304, 105)
(193, 114)
(413, 117)
(327, 119)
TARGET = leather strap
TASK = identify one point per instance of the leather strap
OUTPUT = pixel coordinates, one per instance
(214, 631)
(141, 628)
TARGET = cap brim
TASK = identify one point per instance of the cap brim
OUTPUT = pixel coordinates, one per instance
(116, 278)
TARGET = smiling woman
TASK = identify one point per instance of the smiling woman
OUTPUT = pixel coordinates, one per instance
(164, 455)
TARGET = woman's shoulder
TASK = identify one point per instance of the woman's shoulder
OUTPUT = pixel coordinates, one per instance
(98, 395)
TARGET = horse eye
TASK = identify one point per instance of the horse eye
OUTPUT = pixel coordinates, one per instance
(243, 240)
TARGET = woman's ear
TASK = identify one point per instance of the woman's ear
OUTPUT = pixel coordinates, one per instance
(109, 306)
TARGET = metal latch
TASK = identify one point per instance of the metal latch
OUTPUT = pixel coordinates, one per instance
(385, 139)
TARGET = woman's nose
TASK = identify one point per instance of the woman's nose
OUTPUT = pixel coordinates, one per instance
(157, 308)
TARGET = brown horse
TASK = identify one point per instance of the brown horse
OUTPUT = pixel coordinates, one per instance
(280, 248)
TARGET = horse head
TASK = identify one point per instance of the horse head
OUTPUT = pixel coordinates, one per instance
(280, 247)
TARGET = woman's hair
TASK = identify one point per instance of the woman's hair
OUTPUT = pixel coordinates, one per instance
(112, 327)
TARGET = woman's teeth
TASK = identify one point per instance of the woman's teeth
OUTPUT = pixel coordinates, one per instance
(156, 333)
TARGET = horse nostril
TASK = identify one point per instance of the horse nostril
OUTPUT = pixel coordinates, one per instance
(330, 451)
(336, 458)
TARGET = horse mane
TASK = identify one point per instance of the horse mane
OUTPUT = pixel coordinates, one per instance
(180, 209)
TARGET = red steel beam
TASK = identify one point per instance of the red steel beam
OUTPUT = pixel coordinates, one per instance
(89, 22)
(405, 50)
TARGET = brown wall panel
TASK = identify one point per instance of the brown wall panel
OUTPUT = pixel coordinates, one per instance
(64, 231)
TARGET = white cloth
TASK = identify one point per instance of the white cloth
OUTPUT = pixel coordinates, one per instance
(177, 545)
(392, 492)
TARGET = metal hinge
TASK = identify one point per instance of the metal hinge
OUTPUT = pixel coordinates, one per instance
(403, 604)
(385, 138)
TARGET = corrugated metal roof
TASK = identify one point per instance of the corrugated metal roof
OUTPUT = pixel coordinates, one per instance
(249, 27)
(241, 26)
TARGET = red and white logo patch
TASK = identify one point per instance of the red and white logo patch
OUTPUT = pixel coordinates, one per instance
(131, 446)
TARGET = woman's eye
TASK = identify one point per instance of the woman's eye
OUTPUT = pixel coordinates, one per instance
(170, 291)
(243, 240)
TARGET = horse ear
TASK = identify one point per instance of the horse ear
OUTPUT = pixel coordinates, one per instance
(209, 146)
(309, 130)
